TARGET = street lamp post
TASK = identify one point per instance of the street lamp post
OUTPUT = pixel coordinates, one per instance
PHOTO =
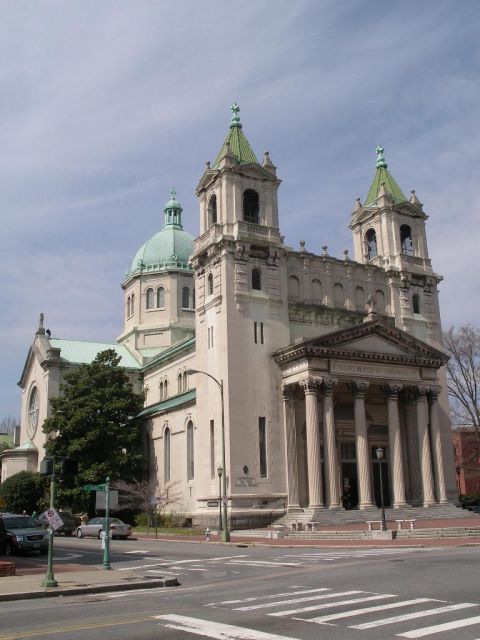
(219, 383)
(220, 472)
(106, 528)
(380, 453)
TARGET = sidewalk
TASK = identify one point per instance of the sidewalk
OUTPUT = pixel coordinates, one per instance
(79, 579)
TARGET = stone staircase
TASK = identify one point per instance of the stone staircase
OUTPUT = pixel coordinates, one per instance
(342, 517)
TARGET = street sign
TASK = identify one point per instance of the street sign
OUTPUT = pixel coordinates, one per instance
(54, 519)
(93, 487)
(100, 501)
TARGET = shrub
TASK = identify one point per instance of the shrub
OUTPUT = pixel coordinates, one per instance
(23, 491)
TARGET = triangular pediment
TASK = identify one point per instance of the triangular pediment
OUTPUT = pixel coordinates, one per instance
(376, 340)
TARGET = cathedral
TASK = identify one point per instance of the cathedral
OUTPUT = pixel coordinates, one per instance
(272, 376)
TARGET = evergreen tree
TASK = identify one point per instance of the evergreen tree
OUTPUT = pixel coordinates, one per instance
(94, 422)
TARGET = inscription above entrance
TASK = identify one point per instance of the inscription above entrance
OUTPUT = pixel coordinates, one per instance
(374, 370)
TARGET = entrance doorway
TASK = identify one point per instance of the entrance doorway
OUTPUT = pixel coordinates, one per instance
(349, 476)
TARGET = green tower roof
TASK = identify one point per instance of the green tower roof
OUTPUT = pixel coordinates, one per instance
(237, 142)
(383, 176)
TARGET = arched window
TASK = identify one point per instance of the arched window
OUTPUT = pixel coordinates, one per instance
(165, 390)
(380, 298)
(416, 303)
(185, 381)
(160, 297)
(406, 240)
(132, 305)
(166, 455)
(190, 452)
(371, 244)
(185, 298)
(212, 210)
(317, 291)
(149, 298)
(161, 391)
(293, 287)
(210, 284)
(251, 206)
(180, 383)
(359, 299)
(128, 307)
(338, 295)
(33, 411)
(256, 279)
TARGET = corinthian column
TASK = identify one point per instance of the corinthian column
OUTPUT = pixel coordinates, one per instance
(361, 445)
(330, 449)
(437, 445)
(395, 445)
(310, 386)
(424, 446)
(290, 447)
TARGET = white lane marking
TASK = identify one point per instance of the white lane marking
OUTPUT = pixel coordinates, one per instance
(216, 629)
(139, 551)
(295, 600)
(266, 605)
(70, 556)
(144, 566)
(438, 628)
(330, 605)
(264, 562)
(268, 596)
(413, 616)
(359, 612)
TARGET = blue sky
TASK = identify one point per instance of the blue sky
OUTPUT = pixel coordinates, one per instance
(107, 105)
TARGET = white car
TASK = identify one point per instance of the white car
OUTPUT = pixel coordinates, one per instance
(94, 527)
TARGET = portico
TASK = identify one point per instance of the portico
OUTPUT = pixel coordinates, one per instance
(348, 393)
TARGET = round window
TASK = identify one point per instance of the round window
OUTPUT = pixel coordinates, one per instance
(32, 422)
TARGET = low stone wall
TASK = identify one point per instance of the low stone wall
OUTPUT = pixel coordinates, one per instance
(7, 568)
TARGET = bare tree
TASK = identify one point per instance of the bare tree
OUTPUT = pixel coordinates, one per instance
(463, 371)
(7, 425)
(146, 496)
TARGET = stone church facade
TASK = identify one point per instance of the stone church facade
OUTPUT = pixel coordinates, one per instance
(286, 368)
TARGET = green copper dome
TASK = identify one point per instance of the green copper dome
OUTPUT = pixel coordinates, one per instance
(170, 248)
(383, 176)
(236, 143)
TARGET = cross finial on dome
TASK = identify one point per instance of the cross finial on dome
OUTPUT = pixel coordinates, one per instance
(235, 122)
(381, 162)
(173, 193)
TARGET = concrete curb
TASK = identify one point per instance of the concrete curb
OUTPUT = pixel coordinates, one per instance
(55, 592)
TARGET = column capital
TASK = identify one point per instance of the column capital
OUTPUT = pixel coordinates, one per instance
(421, 391)
(288, 392)
(392, 389)
(359, 388)
(310, 385)
(434, 392)
(328, 386)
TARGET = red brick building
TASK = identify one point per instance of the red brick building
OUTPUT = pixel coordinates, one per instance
(466, 447)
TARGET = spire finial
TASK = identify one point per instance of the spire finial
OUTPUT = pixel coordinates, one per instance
(173, 193)
(41, 328)
(381, 162)
(235, 121)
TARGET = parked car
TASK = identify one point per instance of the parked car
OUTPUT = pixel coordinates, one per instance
(69, 523)
(94, 526)
(20, 534)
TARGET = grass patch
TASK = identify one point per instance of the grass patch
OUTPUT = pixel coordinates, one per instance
(170, 531)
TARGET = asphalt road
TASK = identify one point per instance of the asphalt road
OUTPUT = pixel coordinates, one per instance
(257, 593)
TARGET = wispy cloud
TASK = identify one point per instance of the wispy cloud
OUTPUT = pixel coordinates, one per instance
(106, 105)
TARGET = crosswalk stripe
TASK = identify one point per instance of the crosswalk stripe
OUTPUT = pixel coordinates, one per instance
(216, 630)
(267, 596)
(413, 616)
(277, 603)
(360, 612)
(329, 605)
(438, 628)
(261, 563)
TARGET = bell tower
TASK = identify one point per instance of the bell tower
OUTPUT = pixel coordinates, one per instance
(241, 307)
(389, 232)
